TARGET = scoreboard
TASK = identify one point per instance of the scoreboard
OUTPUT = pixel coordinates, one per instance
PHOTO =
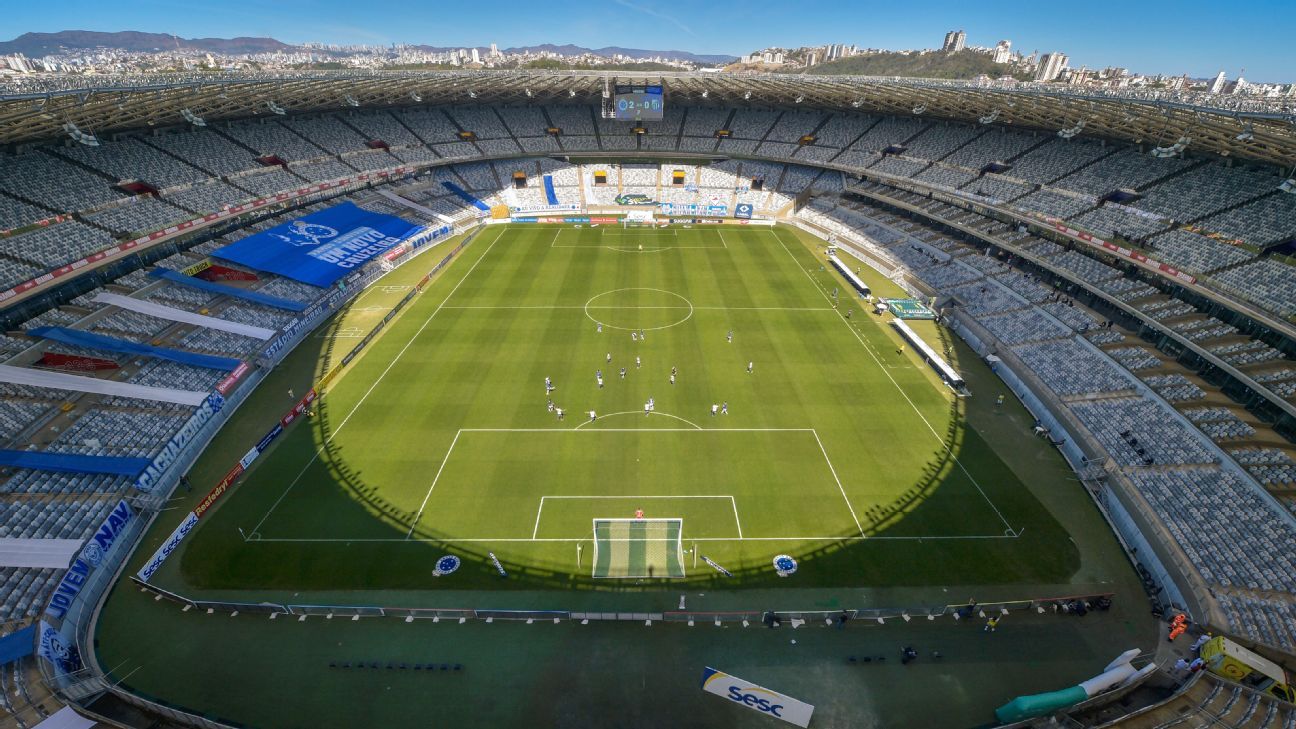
(638, 102)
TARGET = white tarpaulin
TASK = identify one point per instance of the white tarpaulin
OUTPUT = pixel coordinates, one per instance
(428, 212)
(66, 718)
(43, 553)
(76, 383)
(173, 314)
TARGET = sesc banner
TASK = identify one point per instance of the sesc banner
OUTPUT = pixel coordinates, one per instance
(770, 703)
(322, 247)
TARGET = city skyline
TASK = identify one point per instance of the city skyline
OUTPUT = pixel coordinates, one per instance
(1199, 46)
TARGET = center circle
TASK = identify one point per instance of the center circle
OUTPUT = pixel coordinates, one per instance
(638, 309)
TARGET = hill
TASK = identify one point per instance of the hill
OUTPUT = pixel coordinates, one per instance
(42, 44)
(960, 65)
(605, 52)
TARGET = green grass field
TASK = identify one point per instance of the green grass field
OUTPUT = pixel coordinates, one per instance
(837, 449)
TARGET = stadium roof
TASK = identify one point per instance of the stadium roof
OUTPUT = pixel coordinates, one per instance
(33, 110)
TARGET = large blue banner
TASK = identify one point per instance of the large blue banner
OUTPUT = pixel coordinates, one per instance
(322, 247)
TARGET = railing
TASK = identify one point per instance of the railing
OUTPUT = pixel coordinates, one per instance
(880, 614)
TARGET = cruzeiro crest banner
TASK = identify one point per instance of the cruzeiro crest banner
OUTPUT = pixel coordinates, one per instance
(322, 247)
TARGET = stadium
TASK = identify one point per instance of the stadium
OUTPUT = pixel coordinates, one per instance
(919, 401)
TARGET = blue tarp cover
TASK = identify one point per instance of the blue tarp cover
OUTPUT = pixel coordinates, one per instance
(72, 463)
(550, 193)
(91, 340)
(18, 645)
(236, 292)
(322, 247)
(467, 197)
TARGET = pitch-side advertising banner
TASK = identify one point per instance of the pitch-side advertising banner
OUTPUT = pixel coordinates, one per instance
(756, 698)
(322, 247)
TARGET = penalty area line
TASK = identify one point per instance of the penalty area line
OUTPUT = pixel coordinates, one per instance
(839, 483)
(436, 478)
(375, 384)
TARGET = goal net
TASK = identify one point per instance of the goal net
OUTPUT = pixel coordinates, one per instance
(639, 219)
(638, 548)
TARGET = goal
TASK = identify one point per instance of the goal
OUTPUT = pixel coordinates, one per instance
(638, 548)
(639, 219)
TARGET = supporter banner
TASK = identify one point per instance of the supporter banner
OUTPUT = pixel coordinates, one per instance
(75, 363)
(197, 268)
(743, 210)
(47, 222)
(228, 382)
(569, 219)
(55, 649)
(322, 247)
(92, 555)
(1133, 255)
(561, 208)
(148, 480)
(228, 212)
(397, 252)
(168, 547)
(91, 340)
(218, 490)
(754, 697)
(298, 409)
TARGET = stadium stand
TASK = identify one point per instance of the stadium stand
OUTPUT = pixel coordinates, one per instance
(1203, 497)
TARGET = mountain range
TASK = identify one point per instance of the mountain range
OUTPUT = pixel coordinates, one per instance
(42, 44)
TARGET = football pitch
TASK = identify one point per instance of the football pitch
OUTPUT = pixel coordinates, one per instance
(747, 401)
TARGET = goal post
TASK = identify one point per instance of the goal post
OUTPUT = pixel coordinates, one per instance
(639, 219)
(638, 548)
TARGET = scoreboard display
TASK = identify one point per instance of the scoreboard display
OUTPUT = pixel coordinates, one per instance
(639, 102)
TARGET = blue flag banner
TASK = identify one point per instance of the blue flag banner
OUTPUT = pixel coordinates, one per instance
(73, 463)
(322, 247)
(90, 340)
(235, 291)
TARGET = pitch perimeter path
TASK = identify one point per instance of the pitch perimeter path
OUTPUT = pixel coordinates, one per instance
(834, 447)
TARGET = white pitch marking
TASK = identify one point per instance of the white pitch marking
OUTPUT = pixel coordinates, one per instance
(839, 483)
(375, 384)
(632, 307)
(687, 316)
(436, 478)
(474, 540)
(899, 389)
(571, 497)
(536, 530)
(737, 521)
(638, 430)
(635, 412)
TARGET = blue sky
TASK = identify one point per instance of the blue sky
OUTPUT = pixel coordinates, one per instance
(1197, 37)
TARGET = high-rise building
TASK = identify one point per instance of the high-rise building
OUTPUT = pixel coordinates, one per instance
(494, 51)
(954, 41)
(476, 56)
(1003, 51)
(1218, 84)
(1051, 65)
